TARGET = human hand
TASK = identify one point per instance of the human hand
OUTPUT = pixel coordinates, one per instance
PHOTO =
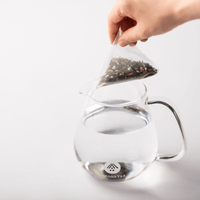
(152, 17)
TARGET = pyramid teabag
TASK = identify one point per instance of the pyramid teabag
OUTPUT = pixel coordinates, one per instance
(122, 69)
(126, 64)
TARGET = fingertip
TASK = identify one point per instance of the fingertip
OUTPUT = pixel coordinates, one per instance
(131, 35)
(122, 43)
(132, 44)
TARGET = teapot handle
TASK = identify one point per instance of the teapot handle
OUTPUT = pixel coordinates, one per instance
(167, 103)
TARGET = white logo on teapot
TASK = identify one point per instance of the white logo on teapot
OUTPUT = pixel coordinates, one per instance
(112, 167)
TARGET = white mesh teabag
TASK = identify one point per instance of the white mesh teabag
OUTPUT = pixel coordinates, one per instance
(126, 64)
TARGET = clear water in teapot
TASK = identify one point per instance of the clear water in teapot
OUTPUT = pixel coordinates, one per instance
(115, 143)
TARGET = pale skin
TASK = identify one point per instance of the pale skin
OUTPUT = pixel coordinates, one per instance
(153, 17)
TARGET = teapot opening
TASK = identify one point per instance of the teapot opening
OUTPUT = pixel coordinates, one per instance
(123, 94)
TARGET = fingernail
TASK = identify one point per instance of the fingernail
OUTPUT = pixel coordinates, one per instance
(122, 43)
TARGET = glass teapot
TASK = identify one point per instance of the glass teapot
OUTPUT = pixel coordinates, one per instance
(116, 137)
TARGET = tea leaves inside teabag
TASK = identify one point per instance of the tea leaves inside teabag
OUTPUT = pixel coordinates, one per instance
(123, 69)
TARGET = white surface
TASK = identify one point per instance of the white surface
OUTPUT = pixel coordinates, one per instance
(50, 49)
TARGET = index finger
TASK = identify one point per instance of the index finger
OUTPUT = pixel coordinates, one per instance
(113, 23)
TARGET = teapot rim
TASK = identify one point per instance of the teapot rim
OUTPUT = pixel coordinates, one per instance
(142, 98)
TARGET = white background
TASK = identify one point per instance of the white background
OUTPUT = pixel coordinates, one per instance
(48, 51)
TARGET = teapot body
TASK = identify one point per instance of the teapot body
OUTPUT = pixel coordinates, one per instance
(116, 138)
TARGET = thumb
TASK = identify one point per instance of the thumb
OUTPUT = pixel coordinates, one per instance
(132, 35)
